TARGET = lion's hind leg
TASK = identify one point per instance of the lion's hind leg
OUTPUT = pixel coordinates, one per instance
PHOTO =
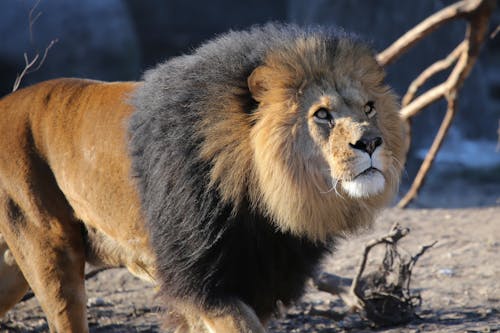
(46, 241)
(13, 285)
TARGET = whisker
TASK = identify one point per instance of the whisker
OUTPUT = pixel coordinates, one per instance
(334, 188)
(401, 166)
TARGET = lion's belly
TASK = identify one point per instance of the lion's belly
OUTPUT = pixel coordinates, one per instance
(102, 250)
(109, 207)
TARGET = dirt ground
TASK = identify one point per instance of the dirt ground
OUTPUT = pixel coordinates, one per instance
(458, 279)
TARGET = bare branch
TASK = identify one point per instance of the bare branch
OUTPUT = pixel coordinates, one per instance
(348, 289)
(32, 18)
(477, 13)
(433, 22)
(430, 72)
(27, 65)
(415, 258)
(31, 66)
(383, 296)
(422, 250)
(47, 49)
(431, 155)
(394, 235)
(495, 32)
(423, 101)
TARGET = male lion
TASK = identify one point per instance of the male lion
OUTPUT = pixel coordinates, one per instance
(225, 176)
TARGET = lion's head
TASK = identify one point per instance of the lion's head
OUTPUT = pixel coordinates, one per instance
(298, 122)
(327, 139)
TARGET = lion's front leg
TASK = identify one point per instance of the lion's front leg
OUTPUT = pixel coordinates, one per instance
(236, 317)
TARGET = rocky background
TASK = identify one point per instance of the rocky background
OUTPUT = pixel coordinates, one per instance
(119, 39)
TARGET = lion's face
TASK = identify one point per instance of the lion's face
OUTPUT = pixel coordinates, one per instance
(342, 126)
(327, 141)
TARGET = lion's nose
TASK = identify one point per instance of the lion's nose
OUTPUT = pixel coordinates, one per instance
(367, 145)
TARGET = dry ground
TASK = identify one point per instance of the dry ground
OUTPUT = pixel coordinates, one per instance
(459, 280)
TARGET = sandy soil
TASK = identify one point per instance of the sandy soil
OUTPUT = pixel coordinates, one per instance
(459, 281)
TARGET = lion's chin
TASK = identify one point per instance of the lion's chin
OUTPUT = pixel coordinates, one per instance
(366, 184)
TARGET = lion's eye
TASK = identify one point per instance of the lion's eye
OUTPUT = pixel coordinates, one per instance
(322, 115)
(370, 109)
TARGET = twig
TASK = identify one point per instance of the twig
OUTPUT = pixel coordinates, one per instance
(31, 66)
(495, 32)
(417, 256)
(431, 71)
(32, 19)
(414, 260)
(27, 66)
(47, 49)
(395, 234)
(348, 289)
(384, 296)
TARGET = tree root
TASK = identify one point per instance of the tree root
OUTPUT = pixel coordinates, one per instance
(383, 297)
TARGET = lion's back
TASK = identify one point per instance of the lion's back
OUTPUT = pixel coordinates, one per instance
(75, 131)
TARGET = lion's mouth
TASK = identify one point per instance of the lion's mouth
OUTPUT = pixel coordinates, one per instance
(368, 172)
(369, 182)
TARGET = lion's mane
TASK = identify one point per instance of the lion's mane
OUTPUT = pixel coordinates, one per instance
(192, 159)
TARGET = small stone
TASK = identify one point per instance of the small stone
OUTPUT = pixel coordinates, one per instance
(446, 272)
(96, 301)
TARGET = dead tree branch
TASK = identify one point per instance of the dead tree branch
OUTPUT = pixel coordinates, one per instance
(394, 235)
(477, 13)
(36, 63)
(495, 32)
(33, 16)
(348, 289)
(415, 258)
(432, 70)
(431, 155)
(33, 65)
(462, 9)
(384, 296)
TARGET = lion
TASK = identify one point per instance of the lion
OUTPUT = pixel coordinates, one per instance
(223, 177)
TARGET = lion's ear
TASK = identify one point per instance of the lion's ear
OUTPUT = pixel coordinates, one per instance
(258, 82)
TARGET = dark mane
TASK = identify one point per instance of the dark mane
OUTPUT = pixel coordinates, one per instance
(210, 248)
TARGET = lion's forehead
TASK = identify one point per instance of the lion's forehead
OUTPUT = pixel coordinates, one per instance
(334, 94)
(352, 93)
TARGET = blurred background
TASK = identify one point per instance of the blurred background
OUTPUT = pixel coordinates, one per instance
(119, 39)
